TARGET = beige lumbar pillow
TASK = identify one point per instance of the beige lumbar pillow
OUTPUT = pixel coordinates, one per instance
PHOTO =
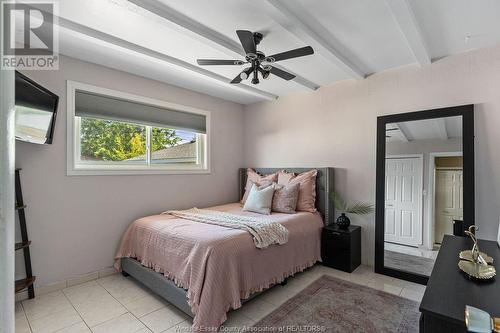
(260, 199)
(285, 198)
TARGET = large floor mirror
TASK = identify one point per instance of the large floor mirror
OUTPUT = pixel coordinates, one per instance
(425, 187)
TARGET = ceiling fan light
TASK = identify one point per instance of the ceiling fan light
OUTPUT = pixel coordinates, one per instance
(243, 76)
(251, 56)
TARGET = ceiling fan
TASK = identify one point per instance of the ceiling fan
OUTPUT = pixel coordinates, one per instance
(259, 62)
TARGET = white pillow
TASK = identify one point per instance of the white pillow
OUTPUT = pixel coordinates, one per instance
(260, 199)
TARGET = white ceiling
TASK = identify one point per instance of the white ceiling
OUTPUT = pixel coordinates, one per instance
(161, 39)
(427, 129)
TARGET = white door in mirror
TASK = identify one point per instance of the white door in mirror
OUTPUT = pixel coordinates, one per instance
(403, 199)
(449, 202)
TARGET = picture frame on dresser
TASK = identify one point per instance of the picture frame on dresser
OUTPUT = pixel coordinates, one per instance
(498, 236)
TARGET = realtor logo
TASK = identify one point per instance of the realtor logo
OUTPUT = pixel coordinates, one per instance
(29, 35)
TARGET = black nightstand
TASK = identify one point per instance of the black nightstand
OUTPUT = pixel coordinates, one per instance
(341, 248)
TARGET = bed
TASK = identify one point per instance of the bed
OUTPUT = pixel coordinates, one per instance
(206, 270)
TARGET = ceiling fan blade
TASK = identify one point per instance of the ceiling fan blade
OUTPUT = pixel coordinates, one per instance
(247, 41)
(300, 52)
(281, 73)
(238, 78)
(208, 62)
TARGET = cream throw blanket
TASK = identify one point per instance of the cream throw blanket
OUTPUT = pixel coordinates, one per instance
(265, 232)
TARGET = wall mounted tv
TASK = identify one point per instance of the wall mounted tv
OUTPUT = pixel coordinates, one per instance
(36, 109)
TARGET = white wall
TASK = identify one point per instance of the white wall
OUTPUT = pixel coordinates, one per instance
(424, 148)
(76, 222)
(7, 200)
(336, 126)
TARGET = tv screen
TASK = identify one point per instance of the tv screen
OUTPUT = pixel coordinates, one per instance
(36, 109)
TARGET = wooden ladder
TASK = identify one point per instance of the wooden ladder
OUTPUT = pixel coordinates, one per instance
(27, 282)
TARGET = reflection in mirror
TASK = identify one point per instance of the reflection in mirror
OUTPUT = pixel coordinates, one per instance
(423, 191)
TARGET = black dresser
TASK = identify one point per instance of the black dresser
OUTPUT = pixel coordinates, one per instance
(449, 290)
(341, 248)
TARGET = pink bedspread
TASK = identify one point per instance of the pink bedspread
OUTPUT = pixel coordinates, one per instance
(220, 266)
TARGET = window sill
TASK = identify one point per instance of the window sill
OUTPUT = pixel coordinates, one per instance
(131, 171)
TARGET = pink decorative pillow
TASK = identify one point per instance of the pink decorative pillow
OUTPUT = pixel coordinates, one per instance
(284, 177)
(285, 198)
(254, 178)
(307, 188)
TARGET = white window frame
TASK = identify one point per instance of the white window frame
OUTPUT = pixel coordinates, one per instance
(76, 168)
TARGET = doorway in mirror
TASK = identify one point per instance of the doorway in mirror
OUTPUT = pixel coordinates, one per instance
(425, 187)
(423, 190)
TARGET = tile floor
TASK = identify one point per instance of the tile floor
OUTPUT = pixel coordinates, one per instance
(414, 251)
(119, 304)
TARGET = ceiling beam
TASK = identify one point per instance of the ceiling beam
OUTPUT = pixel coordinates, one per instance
(393, 131)
(405, 18)
(294, 18)
(76, 27)
(206, 35)
(441, 128)
(404, 132)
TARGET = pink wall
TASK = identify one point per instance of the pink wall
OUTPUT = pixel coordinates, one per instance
(76, 222)
(336, 126)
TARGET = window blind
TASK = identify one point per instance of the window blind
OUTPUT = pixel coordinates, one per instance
(93, 105)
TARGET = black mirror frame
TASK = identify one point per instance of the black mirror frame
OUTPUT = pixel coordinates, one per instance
(467, 113)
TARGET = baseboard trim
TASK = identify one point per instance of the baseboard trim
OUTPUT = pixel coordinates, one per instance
(73, 281)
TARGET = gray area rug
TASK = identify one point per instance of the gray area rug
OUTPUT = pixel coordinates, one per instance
(334, 305)
(408, 263)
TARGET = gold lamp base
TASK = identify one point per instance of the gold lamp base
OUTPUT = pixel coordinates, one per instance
(477, 270)
(467, 255)
(475, 263)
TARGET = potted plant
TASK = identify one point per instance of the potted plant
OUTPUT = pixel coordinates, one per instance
(356, 208)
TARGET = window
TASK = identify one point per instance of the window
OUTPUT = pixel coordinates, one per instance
(117, 133)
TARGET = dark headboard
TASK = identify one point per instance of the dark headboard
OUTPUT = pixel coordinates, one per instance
(324, 187)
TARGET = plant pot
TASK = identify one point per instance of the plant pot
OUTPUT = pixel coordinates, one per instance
(343, 221)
